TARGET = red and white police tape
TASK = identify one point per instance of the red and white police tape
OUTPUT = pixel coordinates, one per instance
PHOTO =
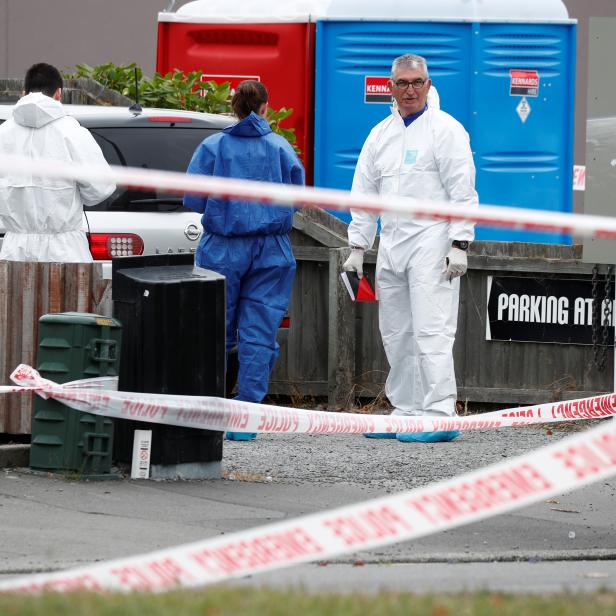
(568, 464)
(210, 413)
(563, 466)
(298, 196)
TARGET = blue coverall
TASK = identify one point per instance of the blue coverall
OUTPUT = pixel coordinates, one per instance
(248, 243)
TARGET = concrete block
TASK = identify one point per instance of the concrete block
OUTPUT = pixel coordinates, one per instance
(14, 455)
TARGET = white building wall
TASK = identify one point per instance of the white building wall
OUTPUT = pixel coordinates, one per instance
(69, 32)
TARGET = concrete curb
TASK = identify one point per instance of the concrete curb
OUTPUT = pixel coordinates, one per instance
(14, 455)
(481, 557)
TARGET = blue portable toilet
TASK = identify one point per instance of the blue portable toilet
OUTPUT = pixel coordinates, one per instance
(505, 69)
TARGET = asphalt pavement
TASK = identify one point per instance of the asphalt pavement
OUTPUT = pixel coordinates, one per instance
(565, 543)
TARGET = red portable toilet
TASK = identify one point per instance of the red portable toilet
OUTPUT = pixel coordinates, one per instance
(266, 40)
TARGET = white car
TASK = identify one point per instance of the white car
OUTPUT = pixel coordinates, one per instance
(142, 222)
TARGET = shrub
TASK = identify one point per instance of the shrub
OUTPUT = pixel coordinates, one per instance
(176, 90)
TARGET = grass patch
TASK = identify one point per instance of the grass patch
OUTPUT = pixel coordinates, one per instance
(225, 601)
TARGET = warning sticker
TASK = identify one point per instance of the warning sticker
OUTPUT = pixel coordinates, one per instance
(523, 83)
(579, 177)
(376, 90)
(104, 322)
(523, 109)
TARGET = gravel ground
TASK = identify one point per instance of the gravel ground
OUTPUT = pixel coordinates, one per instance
(383, 465)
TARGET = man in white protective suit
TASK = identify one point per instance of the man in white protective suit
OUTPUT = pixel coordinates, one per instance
(43, 216)
(421, 152)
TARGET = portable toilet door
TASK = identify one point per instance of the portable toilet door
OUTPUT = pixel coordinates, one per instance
(505, 69)
(248, 39)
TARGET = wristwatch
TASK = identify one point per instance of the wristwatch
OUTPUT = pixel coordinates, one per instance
(461, 244)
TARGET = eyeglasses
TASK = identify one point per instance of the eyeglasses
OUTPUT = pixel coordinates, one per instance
(403, 84)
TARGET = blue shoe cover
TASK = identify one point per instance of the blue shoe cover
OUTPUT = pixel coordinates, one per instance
(380, 435)
(241, 436)
(427, 437)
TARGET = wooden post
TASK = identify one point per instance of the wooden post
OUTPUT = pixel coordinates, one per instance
(341, 330)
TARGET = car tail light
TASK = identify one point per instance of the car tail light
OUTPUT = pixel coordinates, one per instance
(285, 323)
(104, 246)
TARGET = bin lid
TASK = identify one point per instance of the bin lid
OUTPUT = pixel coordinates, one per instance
(246, 11)
(170, 274)
(524, 11)
(80, 318)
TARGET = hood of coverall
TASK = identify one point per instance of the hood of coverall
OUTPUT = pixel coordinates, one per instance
(251, 126)
(36, 110)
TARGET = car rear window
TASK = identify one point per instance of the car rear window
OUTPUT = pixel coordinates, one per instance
(164, 148)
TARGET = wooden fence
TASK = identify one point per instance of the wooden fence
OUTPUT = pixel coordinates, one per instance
(27, 291)
(334, 347)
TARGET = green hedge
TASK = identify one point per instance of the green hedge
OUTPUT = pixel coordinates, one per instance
(176, 90)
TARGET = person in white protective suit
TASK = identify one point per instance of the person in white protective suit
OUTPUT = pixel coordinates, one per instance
(43, 216)
(421, 152)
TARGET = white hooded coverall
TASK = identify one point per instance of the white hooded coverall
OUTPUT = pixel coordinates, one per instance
(43, 216)
(418, 305)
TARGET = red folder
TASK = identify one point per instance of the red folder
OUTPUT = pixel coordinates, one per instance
(360, 289)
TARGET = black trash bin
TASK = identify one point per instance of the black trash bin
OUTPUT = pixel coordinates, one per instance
(173, 316)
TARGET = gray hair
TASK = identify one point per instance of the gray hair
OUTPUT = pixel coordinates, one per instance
(409, 61)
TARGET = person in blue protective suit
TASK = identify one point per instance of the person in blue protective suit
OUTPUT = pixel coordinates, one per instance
(246, 241)
(420, 152)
